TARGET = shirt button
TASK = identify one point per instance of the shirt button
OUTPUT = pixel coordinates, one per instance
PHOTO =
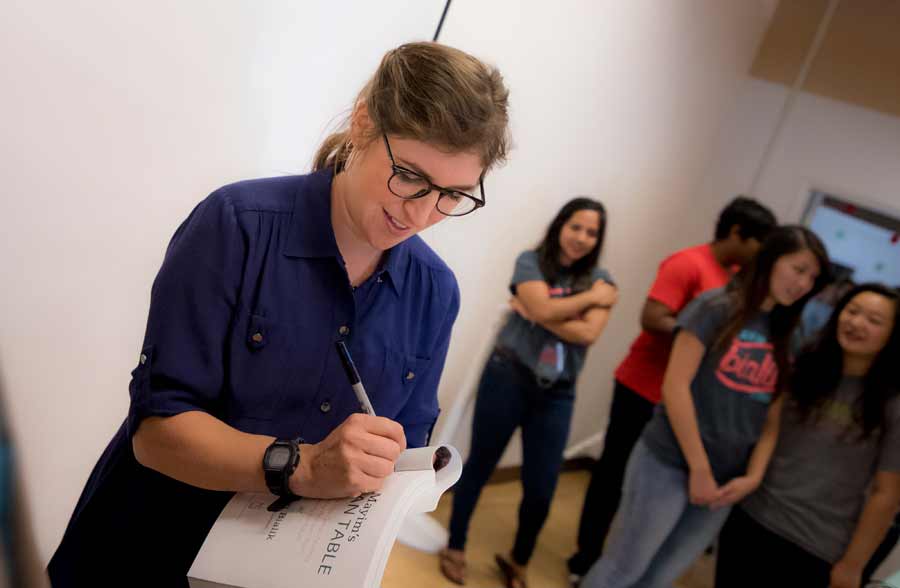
(344, 330)
(325, 406)
(410, 375)
(379, 280)
(143, 359)
(257, 337)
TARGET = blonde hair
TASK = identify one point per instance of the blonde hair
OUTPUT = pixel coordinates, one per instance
(435, 94)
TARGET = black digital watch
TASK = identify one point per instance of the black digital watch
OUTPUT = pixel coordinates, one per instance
(280, 461)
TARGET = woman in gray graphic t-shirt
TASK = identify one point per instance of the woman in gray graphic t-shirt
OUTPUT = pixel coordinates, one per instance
(561, 303)
(709, 443)
(833, 485)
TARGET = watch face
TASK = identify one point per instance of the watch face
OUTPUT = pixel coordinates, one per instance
(279, 457)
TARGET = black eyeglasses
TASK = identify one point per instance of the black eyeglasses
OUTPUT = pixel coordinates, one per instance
(409, 185)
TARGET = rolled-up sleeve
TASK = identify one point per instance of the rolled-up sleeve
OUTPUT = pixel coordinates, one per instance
(192, 305)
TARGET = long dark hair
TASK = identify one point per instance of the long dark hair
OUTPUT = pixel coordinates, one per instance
(548, 251)
(819, 370)
(751, 287)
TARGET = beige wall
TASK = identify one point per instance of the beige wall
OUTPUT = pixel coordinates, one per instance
(620, 100)
(841, 134)
(859, 61)
(123, 116)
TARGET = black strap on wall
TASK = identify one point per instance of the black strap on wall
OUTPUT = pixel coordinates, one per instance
(437, 33)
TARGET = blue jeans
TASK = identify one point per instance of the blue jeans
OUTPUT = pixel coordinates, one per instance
(659, 533)
(509, 397)
(628, 415)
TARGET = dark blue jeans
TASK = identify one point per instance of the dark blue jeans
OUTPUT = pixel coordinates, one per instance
(509, 397)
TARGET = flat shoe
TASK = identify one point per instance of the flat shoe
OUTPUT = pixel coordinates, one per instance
(453, 566)
(514, 578)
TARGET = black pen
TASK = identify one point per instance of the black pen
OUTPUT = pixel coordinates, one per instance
(353, 376)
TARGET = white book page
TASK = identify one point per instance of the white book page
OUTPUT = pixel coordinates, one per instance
(343, 543)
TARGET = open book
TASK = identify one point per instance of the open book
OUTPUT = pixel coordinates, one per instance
(343, 543)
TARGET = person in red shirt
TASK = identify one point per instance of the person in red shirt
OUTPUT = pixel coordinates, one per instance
(681, 277)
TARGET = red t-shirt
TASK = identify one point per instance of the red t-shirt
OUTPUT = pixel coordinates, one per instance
(681, 277)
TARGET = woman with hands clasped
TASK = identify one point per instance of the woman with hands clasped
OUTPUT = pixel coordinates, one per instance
(561, 302)
(833, 487)
(710, 441)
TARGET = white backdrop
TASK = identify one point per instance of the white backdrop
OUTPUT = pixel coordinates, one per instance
(618, 100)
(117, 117)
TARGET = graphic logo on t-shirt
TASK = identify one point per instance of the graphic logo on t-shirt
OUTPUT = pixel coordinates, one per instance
(560, 291)
(749, 366)
(838, 413)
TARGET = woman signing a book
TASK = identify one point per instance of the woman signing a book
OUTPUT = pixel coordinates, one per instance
(238, 386)
(561, 303)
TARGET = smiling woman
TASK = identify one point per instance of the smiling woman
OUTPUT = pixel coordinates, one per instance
(708, 445)
(561, 302)
(448, 130)
(237, 369)
(833, 487)
(381, 203)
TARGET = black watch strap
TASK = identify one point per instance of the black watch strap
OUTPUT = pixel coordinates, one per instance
(281, 502)
(278, 478)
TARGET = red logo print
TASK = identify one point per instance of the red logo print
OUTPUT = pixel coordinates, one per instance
(559, 292)
(548, 355)
(748, 367)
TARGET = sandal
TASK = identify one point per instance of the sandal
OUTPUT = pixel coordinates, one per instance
(514, 577)
(453, 565)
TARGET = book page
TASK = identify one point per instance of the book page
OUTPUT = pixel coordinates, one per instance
(342, 543)
(423, 458)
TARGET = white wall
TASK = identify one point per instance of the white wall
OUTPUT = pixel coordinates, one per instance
(832, 146)
(117, 118)
(620, 100)
(824, 144)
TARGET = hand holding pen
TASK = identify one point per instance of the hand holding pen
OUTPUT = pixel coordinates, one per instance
(357, 456)
(353, 376)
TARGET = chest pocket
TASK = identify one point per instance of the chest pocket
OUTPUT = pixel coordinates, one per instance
(399, 379)
(261, 353)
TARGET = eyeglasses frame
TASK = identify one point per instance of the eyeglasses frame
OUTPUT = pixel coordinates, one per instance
(432, 187)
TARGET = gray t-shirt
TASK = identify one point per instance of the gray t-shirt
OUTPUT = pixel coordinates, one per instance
(531, 342)
(816, 483)
(732, 389)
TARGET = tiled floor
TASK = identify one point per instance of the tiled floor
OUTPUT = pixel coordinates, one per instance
(492, 532)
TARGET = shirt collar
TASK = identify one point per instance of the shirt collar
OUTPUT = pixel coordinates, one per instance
(313, 236)
(397, 263)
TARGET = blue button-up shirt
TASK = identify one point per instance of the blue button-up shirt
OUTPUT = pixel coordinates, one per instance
(244, 314)
(250, 300)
